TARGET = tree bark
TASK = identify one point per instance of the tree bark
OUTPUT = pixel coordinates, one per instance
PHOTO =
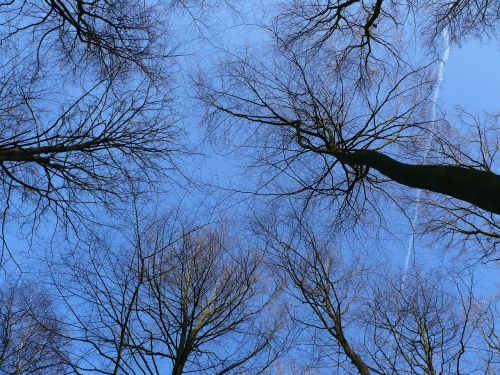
(178, 367)
(356, 360)
(353, 356)
(480, 188)
(33, 153)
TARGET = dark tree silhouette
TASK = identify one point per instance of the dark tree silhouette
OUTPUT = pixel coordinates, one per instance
(352, 129)
(176, 298)
(86, 113)
(337, 107)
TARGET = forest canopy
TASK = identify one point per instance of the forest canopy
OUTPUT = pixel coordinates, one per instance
(229, 187)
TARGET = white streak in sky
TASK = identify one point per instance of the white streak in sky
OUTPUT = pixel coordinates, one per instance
(435, 97)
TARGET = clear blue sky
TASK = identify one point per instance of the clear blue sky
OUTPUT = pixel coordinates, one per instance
(471, 80)
(472, 77)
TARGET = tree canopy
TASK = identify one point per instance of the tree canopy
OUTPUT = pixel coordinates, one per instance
(221, 187)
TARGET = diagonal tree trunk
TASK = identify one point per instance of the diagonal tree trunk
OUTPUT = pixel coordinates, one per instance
(480, 188)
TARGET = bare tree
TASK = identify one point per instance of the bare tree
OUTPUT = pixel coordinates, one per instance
(463, 18)
(426, 324)
(107, 35)
(31, 339)
(459, 225)
(359, 315)
(353, 130)
(187, 300)
(93, 151)
(487, 313)
(85, 105)
(368, 28)
(354, 31)
(289, 367)
(325, 290)
(203, 291)
(359, 134)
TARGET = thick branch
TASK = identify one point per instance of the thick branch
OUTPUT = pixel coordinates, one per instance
(480, 188)
(33, 153)
(356, 360)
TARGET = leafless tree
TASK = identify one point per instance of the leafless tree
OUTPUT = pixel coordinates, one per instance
(85, 105)
(92, 151)
(303, 111)
(31, 334)
(463, 18)
(487, 313)
(325, 290)
(362, 316)
(325, 127)
(424, 324)
(203, 292)
(187, 300)
(354, 31)
(106, 35)
(459, 225)
(368, 28)
(289, 367)
(346, 129)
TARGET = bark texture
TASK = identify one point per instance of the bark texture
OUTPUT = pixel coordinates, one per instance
(480, 188)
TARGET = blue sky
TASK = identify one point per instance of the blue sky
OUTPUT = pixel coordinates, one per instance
(472, 77)
(471, 80)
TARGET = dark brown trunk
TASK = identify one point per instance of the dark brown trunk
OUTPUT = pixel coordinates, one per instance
(357, 361)
(480, 188)
(179, 366)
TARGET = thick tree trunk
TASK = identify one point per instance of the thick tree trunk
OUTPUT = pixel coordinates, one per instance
(35, 153)
(354, 357)
(480, 188)
(356, 360)
(178, 367)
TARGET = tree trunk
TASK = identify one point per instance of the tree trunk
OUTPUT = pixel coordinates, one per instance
(179, 366)
(354, 357)
(480, 188)
(357, 361)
